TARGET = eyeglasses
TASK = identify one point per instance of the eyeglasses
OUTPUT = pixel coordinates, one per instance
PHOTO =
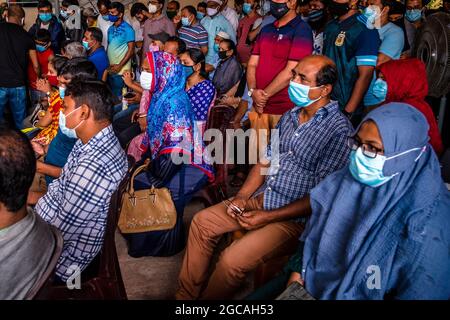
(367, 149)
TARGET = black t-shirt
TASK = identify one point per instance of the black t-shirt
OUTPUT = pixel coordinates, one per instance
(15, 44)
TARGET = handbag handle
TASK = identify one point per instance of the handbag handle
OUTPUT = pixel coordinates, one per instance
(135, 173)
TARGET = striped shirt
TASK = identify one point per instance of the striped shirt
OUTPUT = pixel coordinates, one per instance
(308, 152)
(77, 202)
(194, 36)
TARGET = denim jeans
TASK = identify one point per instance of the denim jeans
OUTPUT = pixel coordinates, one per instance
(17, 98)
(119, 113)
(116, 84)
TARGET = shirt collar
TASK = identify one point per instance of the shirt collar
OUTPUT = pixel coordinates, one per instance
(322, 113)
(96, 141)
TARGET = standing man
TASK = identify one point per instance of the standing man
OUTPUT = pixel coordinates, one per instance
(215, 22)
(92, 42)
(18, 48)
(120, 47)
(230, 14)
(277, 51)
(103, 22)
(414, 19)
(156, 23)
(192, 32)
(354, 49)
(47, 20)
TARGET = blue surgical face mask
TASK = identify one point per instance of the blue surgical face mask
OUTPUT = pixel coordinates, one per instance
(62, 92)
(247, 8)
(369, 171)
(185, 21)
(106, 18)
(71, 133)
(188, 71)
(113, 18)
(413, 15)
(41, 48)
(379, 89)
(86, 45)
(315, 15)
(63, 14)
(45, 17)
(200, 15)
(216, 47)
(299, 94)
(371, 13)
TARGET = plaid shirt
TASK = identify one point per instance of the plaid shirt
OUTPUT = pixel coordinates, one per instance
(77, 202)
(308, 152)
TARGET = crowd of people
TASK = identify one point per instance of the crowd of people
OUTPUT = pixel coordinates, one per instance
(351, 180)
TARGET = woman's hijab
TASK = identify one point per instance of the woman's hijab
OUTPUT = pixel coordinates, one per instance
(355, 226)
(170, 120)
(407, 82)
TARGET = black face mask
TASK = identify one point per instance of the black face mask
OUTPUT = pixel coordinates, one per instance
(338, 9)
(222, 55)
(278, 10)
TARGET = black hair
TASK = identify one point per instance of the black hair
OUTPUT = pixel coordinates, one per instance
(201, 5)
(327, 75)
(14, 10)
(106, 3)
(230, 45)
(42, 35)
(96, 95)
(119, 6)
(59, 62)
(68, 3)
(176, 3)
(96, 33)
(181, 44)
(44, 4)
(17, 168)
(198, 57)
(389, 3)
(191, 10)
(137, 8)
(161, 2)
(79, 69)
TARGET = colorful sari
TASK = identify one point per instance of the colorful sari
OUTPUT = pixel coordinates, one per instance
(170, 120)
(202, 97)
(46, 135)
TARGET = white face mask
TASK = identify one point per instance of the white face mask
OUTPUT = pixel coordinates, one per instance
(146, 80)
(152, 8)
(211, 12)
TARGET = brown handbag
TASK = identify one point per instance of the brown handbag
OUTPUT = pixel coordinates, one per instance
(146, 210)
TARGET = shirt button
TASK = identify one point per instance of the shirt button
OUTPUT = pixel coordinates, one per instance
(269, 189)
(272, 178)
(290, 152)
(296, 134)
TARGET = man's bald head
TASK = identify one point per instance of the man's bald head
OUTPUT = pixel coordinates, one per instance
(16, 11)
(319, 67)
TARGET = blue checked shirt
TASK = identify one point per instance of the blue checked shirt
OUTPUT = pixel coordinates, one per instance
(77, 203)
(307, 153)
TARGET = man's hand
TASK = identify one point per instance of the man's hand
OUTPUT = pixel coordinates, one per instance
(115, 68)
(253, 219)
(260, 98)
(38, 148)
(128, 78)
(295, 276)
(176, 19)
(238, 201)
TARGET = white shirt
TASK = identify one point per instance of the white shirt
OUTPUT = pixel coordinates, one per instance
(104, 25)
(231, 16)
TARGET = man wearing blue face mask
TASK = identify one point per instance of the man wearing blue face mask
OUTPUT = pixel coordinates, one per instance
(192, 32)
(312, 145)
(103, 22)
(414, 19)
(77, 202)
(46, 20)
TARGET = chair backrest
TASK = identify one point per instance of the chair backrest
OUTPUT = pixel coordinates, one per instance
(45, 278)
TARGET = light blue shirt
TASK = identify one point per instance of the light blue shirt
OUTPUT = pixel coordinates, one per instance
(392, 42)
(213, 27)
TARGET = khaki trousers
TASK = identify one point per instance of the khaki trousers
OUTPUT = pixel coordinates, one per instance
(237, 260)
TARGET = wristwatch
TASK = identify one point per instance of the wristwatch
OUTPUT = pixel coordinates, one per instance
(250, 92)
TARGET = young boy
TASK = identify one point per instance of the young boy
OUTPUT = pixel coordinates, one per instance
(44, 53)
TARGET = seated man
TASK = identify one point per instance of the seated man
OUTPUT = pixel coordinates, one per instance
(26, 241)
(77, 202)
(313, 139)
